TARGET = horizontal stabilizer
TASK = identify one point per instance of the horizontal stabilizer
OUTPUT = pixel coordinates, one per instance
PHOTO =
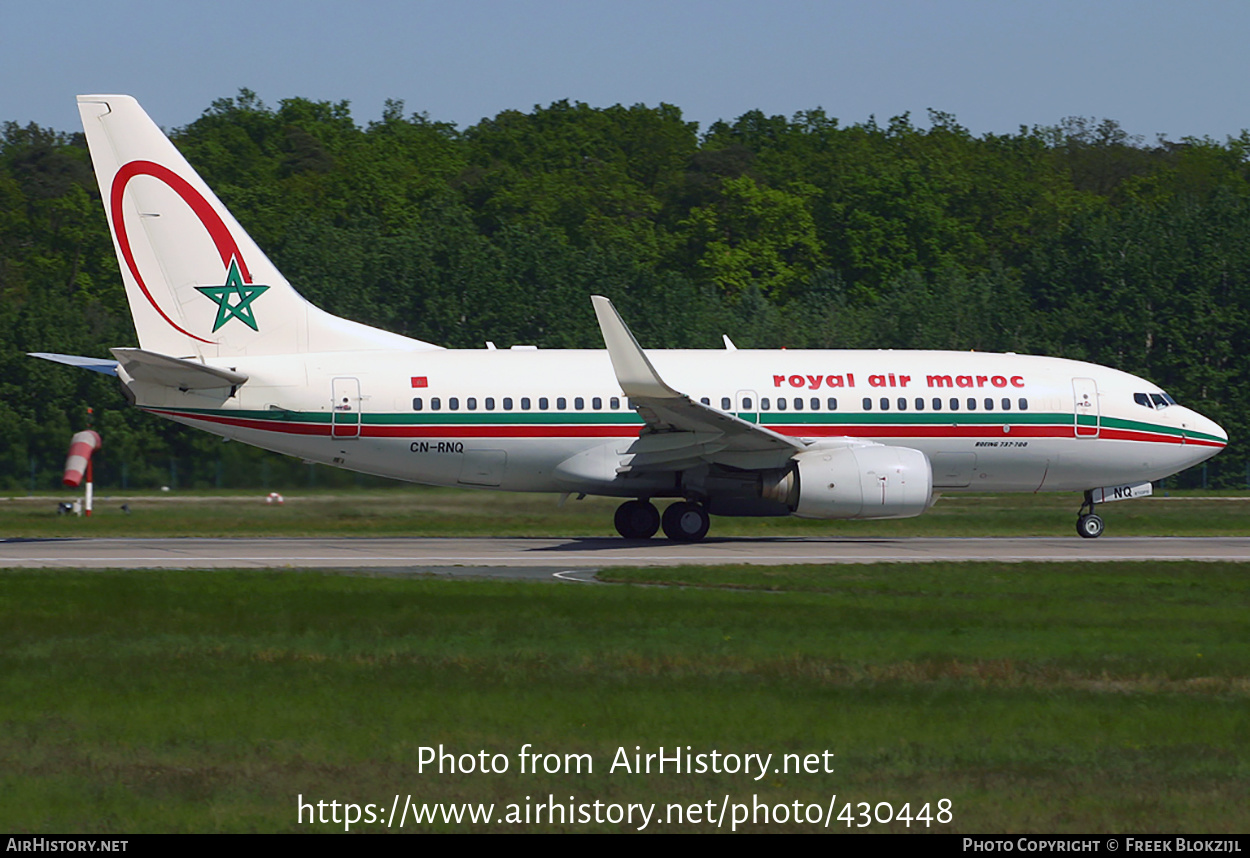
(154, 368)
(108, 367)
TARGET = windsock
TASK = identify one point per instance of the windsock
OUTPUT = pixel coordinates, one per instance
(81, 446)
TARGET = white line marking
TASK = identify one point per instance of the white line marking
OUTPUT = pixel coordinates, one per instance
(567, 574)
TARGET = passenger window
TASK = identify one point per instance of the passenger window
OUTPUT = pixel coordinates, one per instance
(1024, 404)
(937, 404)
(815, 403)
(705, 400)
(471, 403)
(972, 404)
(1006, 404)
(435, 403)
(989, 404)
(416, 404)
(746, 403)
(597, 403)
(543, 403)
(781, 403)
(561, 403)
(525, 403)
(833, 404)
(453, 404)
(615, 403)
(725, 403)
(579, 403)
(764, 404)
(507, 403)
(902, 403)
(954, 404)
(867, 404)
(798, 403)
(920, 403)
(885, 404)
(490, 403)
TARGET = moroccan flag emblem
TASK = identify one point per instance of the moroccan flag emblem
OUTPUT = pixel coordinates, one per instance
(241, 294)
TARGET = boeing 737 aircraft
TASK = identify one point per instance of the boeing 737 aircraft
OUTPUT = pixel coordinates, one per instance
(227, 345)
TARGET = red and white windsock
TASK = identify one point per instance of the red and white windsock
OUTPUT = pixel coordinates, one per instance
(81, 446)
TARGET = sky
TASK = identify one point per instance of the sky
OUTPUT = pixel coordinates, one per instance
(1177, 69)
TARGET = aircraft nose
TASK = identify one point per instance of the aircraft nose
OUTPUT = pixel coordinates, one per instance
(1216, 430)
(1205, 432)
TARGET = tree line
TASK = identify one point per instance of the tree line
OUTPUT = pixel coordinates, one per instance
(1076, 240)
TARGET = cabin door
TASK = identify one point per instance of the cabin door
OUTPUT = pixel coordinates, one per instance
(345, 408)
(1086, 415)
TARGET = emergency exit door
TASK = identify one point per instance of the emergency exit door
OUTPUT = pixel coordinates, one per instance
(747, 405)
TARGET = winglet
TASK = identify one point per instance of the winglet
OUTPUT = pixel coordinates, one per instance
(635, 374)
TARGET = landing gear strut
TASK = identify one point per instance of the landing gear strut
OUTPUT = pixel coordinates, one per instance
(637, 519)
(686, 522)
(1088, 525)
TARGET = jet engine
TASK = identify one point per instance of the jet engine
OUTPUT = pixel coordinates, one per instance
(869, 481)
(858, 481)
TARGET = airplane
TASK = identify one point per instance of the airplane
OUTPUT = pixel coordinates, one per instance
(227, 345)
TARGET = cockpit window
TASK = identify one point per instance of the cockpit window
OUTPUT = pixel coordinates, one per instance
(1153, 400)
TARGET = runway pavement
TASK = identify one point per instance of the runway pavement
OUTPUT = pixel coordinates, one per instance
(540, 557)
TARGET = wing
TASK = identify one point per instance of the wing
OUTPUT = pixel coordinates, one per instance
(680, 432)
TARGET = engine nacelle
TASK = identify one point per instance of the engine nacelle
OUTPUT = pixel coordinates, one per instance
(866, 481)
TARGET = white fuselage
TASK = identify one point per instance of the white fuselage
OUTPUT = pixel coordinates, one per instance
(513, 419)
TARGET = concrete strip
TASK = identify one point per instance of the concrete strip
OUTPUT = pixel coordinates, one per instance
(570, 554)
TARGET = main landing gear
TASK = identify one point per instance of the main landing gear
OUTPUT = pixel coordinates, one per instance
(683, 521)
(1088, 525)
(637, 519)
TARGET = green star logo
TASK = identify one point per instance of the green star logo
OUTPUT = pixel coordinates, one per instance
(246, 293)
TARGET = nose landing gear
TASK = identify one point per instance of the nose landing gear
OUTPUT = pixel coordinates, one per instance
(1088, 525)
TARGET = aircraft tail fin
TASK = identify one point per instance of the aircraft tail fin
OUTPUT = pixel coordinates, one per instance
(198, 285)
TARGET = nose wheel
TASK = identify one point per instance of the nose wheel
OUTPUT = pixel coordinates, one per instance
(1088, 525)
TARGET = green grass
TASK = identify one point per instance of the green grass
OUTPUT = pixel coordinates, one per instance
(1036, 697)
(421, 511)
